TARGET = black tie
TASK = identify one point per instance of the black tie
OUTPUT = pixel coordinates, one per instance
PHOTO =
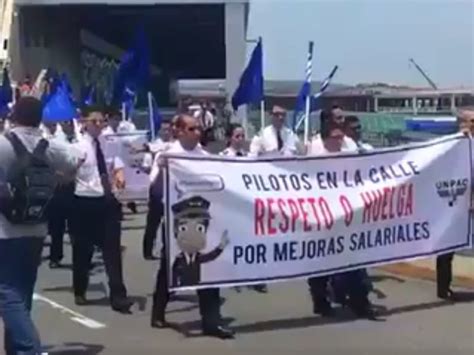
(240, 154)
(279, 140)
(104, 175)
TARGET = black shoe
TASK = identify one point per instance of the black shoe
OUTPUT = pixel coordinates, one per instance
(324, 309)
(80, 300)
(54, 265)
(448, 295)
(366, 312)
(132, 206)
(149, 257)
(219, 331)
(260, 288)
(159, 323)
(121, 305)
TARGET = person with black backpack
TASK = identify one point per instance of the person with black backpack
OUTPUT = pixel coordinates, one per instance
(30, 169)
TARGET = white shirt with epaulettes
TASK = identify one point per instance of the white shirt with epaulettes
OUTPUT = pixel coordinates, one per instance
(231, 152)
(266, 143)
(88, 180)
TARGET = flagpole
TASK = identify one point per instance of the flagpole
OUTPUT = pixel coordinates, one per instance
(124, 112)
(309, 78)
(262, 115)
(150, 116)
(306, 120)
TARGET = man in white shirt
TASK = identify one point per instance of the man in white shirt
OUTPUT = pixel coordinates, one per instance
(60, 205)
(444, 262)
(189, 135)
(155, 205)
(21, 245)
(116, 124)
(52, 130)
(96, 218)
(353, 130)
(276, 139)
(333, 117)
(350, 287)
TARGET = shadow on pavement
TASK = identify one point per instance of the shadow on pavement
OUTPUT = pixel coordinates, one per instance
(75, 349)
(129, 228)
(463, 297)
(380, 278)
(98, 287)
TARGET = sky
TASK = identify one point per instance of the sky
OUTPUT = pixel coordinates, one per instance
(370, 40)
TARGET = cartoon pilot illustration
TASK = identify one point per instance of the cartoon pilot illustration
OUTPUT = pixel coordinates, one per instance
(191, 222)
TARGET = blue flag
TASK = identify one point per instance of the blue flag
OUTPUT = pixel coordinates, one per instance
(155, 118)
(134, 69)
(250, 88)
(59, 107)
(6, 93)
(305, 91)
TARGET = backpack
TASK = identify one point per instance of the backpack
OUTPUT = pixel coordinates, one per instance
(29, 185)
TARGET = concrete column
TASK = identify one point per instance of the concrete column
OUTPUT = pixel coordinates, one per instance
(16, 48)
(453, 103)
(236, 48)
(414, 105)
(376, 104)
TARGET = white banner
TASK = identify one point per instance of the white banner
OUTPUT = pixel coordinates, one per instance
(137, 181)
(237, 221)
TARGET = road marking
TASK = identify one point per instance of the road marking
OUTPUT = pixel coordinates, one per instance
(73, 315)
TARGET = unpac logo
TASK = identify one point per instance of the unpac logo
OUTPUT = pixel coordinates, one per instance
(452, 189)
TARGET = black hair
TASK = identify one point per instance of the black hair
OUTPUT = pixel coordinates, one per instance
(111, 111)
(351, 119)
(323, 119)
(28, 111)
(88, 109)
(229, 132)
(329, 127)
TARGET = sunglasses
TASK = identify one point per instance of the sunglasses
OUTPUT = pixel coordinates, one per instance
(194, 129)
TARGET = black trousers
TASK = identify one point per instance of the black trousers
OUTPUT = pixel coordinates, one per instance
(153, 220)
(96, 222)
(209, 299)
(351, 283)
(318, 289)
(444, 273)
(59, 215)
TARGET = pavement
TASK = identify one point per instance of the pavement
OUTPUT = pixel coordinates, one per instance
(413, 320)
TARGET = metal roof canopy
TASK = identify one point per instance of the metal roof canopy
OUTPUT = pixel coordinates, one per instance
(126, 2)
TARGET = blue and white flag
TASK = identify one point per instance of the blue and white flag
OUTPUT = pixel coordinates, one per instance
(315, 99)
(305, 90)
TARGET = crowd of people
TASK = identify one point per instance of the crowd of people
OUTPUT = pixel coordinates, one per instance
(87, 181)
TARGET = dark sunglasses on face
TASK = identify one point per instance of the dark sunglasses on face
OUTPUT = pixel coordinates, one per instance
(194, 129)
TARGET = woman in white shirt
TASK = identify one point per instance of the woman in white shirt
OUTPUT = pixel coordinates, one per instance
(235, 136)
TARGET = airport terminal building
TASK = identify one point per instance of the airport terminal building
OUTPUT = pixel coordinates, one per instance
(189, 39)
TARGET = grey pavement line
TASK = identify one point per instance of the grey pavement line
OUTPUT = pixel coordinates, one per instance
(73, 315)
